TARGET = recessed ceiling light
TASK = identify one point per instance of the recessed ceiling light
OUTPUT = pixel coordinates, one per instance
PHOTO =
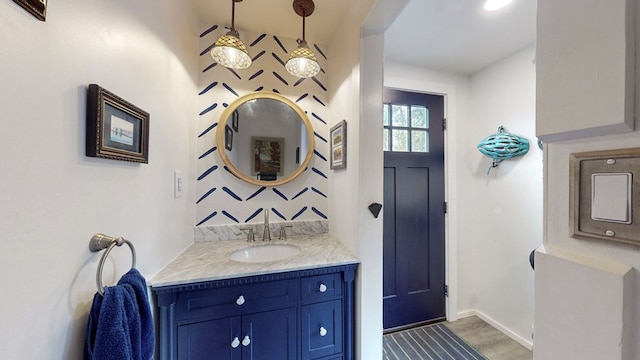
(493, 5)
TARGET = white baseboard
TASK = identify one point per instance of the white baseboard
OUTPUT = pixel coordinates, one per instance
(503, 329)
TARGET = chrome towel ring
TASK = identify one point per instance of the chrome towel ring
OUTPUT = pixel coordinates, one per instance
(100, 242)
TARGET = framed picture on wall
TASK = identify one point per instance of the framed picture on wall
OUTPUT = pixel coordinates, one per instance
(37, 8)
(228, 138)
(234, 120)
(338, 146)
(268, 155)
(116, 129)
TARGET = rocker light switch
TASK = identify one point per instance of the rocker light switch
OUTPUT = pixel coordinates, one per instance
(611, 197)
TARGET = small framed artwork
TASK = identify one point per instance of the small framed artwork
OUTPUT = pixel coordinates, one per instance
(267, 156)
(234, 120)
(116, 129)
(228, 138)
(338, 146)
(37, 8)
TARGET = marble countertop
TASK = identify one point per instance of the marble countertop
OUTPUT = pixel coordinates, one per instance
(210, 260)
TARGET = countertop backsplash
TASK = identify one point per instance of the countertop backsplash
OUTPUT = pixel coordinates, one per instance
(210, 233)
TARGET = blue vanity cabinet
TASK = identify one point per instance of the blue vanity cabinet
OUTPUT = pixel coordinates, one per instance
(304, 314)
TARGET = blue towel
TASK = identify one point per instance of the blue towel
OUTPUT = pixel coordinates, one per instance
(138, 284)
(120, 326)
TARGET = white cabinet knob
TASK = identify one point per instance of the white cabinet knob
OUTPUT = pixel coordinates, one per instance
(323, 331)
(323, 288)
(246, 341)
(235, 343)
(240, 300)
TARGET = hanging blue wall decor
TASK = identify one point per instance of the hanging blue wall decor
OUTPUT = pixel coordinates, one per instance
(502, 145)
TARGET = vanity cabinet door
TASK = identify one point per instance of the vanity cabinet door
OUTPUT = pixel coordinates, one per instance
(260, 336)
(272, 334)
(321, 329)
(212, 339)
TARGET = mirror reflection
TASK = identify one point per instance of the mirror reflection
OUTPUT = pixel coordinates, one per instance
(265, 139)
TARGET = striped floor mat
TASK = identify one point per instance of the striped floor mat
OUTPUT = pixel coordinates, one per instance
(432, 342)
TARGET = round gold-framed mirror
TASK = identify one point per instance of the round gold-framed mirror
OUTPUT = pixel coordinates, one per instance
(265, 139)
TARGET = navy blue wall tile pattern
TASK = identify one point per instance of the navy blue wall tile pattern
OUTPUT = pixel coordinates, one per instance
(221, 197)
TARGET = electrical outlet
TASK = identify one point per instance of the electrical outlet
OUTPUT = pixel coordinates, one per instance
(177, 183)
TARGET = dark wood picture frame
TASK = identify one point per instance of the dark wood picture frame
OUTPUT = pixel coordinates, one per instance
(37, 8)
(228, 138)
(235, 119)
(116, 129)
(338, 146)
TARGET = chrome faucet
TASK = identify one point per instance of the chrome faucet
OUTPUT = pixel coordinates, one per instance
(266, 235)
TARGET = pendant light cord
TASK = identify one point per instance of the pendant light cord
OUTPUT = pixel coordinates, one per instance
(233, 14)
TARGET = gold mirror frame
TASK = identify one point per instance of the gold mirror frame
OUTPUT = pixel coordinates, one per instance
(220, 138)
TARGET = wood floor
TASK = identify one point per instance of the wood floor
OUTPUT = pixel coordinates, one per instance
(488, 340)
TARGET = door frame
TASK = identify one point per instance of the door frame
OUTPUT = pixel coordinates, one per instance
(450, 166)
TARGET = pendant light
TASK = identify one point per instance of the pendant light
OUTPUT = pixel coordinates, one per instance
(229, 50)
(302, 61)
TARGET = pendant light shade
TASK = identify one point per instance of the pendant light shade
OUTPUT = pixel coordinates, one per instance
(302, 62)
(229, 50)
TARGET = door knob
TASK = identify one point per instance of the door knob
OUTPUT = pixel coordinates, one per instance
(323, 288)
(323, 331)
(240, 300)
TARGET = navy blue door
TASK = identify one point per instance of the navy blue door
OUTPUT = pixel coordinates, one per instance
(414, 220)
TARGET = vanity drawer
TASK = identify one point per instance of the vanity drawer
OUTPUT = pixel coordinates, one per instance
(321, 286)
(321, 329)
(236, 300)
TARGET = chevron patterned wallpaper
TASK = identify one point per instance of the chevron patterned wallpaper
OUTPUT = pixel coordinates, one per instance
(221, 197)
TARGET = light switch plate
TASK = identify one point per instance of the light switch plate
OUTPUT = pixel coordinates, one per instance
(177, 184)
(605, 195)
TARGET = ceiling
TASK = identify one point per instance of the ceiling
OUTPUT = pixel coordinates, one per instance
(459, 36)
(275, 17)
(456, 36)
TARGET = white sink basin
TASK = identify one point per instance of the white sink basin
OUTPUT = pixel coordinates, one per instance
(265, 253)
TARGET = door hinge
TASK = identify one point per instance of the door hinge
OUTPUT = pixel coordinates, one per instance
(444, 207)
(444, 124)
(446, 290)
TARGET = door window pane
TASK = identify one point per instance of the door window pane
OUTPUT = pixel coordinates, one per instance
(399, 115)
(419, 117)
(385, 115)
(419, 141)
(385, 140)
(400, 140)
(406, 128)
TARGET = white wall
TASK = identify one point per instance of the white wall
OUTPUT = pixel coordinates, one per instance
(346, 187)
(53, 197)
(587, 334)
(495, 220)
(504, 207)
